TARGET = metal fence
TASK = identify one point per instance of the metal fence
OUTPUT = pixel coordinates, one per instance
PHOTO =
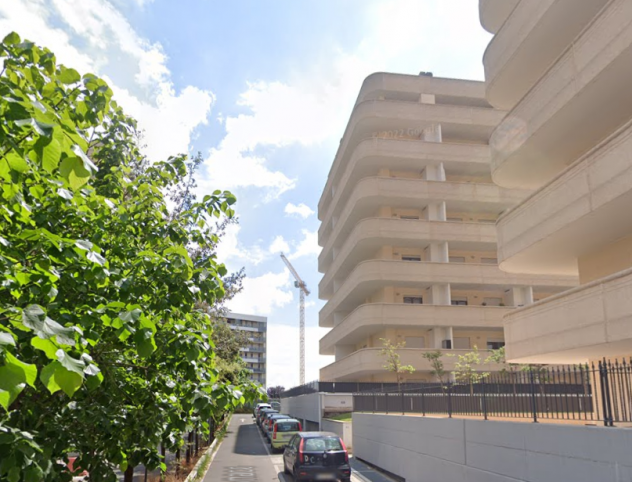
(601, 392)
(350, 387)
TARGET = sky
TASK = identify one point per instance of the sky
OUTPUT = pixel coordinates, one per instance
(263, 90)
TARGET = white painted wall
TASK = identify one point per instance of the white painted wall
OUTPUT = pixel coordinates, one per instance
(455, 450)
(342, 429)
(313, 405)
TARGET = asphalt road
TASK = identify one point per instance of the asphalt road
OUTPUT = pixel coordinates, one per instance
(245, 456)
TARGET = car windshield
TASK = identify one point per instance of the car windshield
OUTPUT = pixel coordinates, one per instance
(287, 426)
(322, 444)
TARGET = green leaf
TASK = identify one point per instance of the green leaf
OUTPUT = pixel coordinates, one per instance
(47, 377)
(83, 244)
(69, 381)
(12, 39)
(16, 162)
(42, 128)
(73, 171)
(14, 474)
(70, 363)
(51, 153)
(145, 343)
(35, 318)
(68, 76)
(28, 371)
(87, 163)
(6, 339)
(47, 346)
(65, 193)
(96, 258)
(93, 382)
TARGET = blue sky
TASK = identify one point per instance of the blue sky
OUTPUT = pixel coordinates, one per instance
(263, 89)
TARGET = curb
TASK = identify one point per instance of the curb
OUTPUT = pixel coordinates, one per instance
(210, 450)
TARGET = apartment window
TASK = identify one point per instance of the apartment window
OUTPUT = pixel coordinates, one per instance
(413, 300)
(409, 217)
(489, 260)
(457, 259)
(495, 345)
(415, 342)
(408, 257)
(492, 301)
(461, 343)
(459, 301)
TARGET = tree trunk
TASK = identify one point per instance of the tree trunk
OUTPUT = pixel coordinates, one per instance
(129, 474)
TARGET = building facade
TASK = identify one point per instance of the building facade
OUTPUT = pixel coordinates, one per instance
(563, 69)
(255, 352)
(407, 230)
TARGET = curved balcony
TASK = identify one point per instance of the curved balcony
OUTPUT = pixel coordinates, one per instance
(406, 87)
(530, 40)
(369, 361)
(370, 276)
(580, 100)
(372, 193)
(401, 154)
(371, 234)
(369, 319)
(586, 323)
(584, 207)
(465, 123)
(494, 13)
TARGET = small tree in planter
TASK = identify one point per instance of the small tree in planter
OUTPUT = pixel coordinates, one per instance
(393, 360)
(434, 357)
(465, 369)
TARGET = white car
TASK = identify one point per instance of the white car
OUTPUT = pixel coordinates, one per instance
(258, 407)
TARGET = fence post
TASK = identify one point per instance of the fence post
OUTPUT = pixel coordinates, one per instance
(374, 402)
(423, 403)
(484, 398)
(402, 401)
(386, 394)
(534, 406)
(605, 394)
(449, 400)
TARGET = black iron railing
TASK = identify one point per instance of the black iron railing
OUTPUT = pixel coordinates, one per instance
(597, 393)
(349, 387)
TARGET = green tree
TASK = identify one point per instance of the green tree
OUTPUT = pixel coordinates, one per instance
(438, 370)
(102, 348)
(466, 369)
(393, 360)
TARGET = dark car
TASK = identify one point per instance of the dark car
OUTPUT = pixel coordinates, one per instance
(262, 413)
(263, 420)
(317, 456)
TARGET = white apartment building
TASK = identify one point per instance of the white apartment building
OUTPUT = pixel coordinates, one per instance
(563, 71)
(254, 352)
(408, 235)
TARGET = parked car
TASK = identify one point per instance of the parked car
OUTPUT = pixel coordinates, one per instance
(269, 422)
(258, 407)
(262, 412)
(276, 405)
(264, 418)
(282, 432)
(317, 456)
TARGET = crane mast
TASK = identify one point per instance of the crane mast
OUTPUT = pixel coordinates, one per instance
(303, 291)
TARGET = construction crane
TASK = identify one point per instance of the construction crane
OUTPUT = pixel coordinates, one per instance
(303, 291)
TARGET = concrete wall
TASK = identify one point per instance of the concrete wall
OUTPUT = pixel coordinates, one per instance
(342, 429)
(313, 406)
(456, 450)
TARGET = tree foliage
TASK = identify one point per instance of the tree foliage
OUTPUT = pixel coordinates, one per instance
(466, 368)
(275, 392)
(393, 359)
(438, 370)
(103, 350)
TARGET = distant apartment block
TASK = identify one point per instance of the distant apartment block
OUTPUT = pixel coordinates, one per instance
(563, 71)
(254, 353)
(407, 230)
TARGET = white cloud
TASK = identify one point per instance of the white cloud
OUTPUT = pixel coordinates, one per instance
(93, 36)
(302, 210)
(230, 248)
(283, 354)
(279, 245)
(308, 246)
(262, 294)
